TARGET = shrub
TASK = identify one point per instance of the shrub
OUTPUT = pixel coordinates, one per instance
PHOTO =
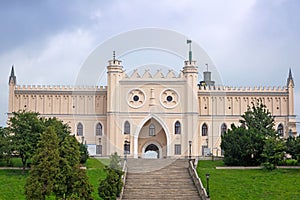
(84, 154)
(291, 162)
(269, 166)
(111, 187)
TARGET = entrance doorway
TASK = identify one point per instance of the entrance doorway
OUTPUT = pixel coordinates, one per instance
(151, 151)
(152, 140)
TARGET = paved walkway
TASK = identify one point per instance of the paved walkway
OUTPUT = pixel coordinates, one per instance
(15, 168)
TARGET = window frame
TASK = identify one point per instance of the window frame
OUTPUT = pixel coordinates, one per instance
(79, 129)
(177, 128)
(152, 130)
(177, 149)
(223, 128)
(280, 131)
(99, 131)
(126, 128)
(204, 130)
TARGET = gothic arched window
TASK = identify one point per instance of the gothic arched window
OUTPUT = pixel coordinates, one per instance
(177, 128)
(151, 130)
(223, 128)
(204, 130)
(99, 129)
(280, 130)
(126, 128)
(79, 129)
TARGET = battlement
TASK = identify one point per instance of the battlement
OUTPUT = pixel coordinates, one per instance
(59, 88)
(244, 89)
(159, 74)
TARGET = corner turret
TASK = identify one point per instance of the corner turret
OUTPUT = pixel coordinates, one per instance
(12, 82)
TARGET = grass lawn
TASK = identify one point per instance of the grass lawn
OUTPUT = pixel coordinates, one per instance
(95, 172)
(12, 181)
(12, 184)
(250, 184)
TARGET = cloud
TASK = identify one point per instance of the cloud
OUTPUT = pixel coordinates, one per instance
(56, 62)
(251, 42)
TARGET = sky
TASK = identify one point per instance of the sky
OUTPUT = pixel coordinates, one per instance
(251, 42)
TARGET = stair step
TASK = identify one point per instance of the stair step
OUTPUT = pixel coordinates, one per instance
(159, 179)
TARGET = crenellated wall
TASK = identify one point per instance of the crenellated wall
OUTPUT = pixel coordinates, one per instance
(60, 100)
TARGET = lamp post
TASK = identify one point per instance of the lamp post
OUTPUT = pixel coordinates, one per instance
(126, 149)
(207, 184)
(290, 133)
(82, 139)
(190, 149)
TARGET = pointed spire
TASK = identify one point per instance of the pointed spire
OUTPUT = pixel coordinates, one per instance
(290, 79)
(12, 73)
(12, 77)
(290, 74)
(189, 42)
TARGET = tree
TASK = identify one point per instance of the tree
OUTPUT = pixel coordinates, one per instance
(293, 147)
(84, 154)
(45, 166)
(241, 147)
(115, 162)
(71, 180)
(259, 119)
(25, 129)
(5, 145)
(273, 152)
(110, 188)
(244, 145)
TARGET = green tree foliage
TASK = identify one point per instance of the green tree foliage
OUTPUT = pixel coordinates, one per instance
(259, 119)
(244, 145)
(64, 130)
(71, 180)
(5, 145)
(241, 147)
(84, 154)
(45, 166)
(115, 162)
(25, 129)
(273, 152)
(110, 188)
(293, 147)
(82, 189)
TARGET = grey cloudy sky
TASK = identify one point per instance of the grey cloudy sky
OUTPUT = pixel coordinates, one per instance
(252, 42)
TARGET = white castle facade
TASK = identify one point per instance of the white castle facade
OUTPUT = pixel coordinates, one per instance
(160, 115)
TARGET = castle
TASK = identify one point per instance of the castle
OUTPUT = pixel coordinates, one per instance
(159, 115)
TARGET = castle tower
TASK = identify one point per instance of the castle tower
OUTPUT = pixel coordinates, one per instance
(190, 74)
(115, 73)
(290, 89)
(207, 78)
(11, 83)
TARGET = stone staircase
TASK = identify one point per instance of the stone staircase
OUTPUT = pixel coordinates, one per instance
(159, 179)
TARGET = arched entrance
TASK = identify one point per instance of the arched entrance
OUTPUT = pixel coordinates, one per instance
(152, 140)
(152, 151)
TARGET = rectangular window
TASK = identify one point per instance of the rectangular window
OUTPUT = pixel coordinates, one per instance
(205, 150)
(177, 149)
(98, 149)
